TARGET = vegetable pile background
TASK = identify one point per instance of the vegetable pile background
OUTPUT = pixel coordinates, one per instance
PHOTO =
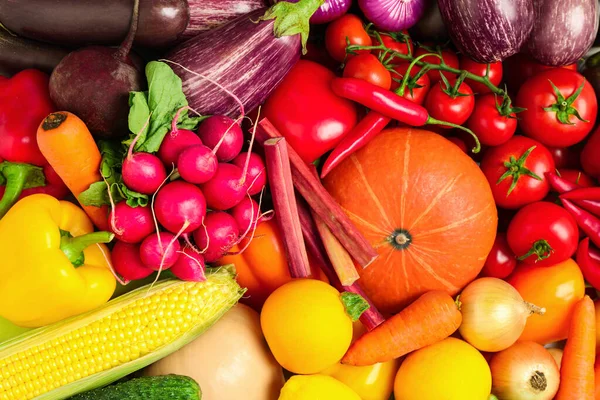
(302, 200)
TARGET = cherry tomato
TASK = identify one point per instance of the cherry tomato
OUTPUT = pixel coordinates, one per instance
(495, 74)
(578, 177)
(501, 261)
(348, 27)
(368, 68)
(556, 288)
(396, 42)
(516, 171)
(416, 91)
(455, 109)
(460, 143)
(450, 59)
(487, 122)
(521, 67)
(565, 157)
(543, 234)
(551, 114)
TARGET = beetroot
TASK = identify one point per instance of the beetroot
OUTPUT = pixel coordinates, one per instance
(219, 233)
(197, 164)
(143, 172)
(127, 262)
(94, 84)
(174, 143)
(160, 251)
(180, 205)
(226, 189)
(131, 224)
(211, 131)
(256, 175)
(189, 266)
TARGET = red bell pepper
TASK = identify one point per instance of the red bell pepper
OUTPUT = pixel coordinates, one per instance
(24, 103)
(588, 259)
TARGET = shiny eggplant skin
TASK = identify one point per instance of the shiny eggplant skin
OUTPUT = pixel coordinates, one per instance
(101, 22)
(17, 54)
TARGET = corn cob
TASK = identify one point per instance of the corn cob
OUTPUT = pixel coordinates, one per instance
(125, 335)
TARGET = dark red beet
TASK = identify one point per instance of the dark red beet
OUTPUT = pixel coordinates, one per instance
(225, 190)
(189, 266)
(197, 164)
(143, 172)
(212, 129)
(156, 251)
(174, 143)
(131, 224)
(94, 84)
(127, 262)
(177, 203)
(219, 233)
(256, 175)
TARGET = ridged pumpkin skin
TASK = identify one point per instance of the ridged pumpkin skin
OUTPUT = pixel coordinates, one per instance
(415, 181)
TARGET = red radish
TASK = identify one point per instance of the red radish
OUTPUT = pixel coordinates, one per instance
(197, 164)
(219, 233)
(256, 175)
(223, 135)
(143, 172)
(179, 203)
(131, 224)
(160, 251)
(127, 262)
(246, 215)
(174, 143)
(189, 266)
(226, 189)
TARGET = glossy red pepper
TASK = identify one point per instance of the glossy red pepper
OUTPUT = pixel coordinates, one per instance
(589, 193)
(559, 184)
(588, 259)
(363, 132)
(24, 103)
(589, 223)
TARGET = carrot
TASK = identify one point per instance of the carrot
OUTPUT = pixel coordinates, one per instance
(577, 367)
(431, 318)
(597, 380)
(70, 149)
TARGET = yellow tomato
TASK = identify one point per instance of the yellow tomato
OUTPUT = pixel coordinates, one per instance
(316, 387)
(449, 370)
(375, 382)
(306, 326)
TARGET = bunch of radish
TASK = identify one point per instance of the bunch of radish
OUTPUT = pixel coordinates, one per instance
(195, 218)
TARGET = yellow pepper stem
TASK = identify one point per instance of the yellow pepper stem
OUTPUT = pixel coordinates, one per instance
(73, 246)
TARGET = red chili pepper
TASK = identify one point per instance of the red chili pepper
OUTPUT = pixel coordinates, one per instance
(588, 260)
(590, 193)
(24, 103)
(560, 184)
(567, 188)
(363, 132)
(388, 104)
(589, 223)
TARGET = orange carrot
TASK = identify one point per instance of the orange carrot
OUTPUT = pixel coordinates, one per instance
(70, 149)
(432, 317)
(577, 368)
(597, 379)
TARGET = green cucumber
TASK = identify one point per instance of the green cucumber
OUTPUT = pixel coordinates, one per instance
(167, 387)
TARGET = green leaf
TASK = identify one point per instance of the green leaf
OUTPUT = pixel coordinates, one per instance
(138, 114)
(134, 199)
(355, 305)
(96, 195)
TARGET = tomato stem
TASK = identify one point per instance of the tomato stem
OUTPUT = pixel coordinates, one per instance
(540, 248)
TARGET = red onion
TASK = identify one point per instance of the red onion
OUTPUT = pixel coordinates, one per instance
(393, 15)
(330, 10)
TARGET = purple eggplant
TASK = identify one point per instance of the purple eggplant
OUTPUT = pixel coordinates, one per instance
(563, 31)
(488, 30)
(17, 54)
(244, 57)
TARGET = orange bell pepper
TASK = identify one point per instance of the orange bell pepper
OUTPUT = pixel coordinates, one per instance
(263, 266)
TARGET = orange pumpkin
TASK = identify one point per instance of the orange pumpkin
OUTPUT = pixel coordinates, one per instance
(425, 206)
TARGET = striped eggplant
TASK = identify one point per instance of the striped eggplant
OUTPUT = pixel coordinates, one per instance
(243, 58)
(17, 54)
(563, 31)
(488, 30)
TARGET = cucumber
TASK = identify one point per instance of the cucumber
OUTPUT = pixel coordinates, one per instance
(167, 387)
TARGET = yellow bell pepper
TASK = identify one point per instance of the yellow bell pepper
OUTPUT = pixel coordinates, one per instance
(53, 265)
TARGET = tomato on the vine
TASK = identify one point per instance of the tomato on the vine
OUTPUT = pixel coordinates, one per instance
(398, 42)
(448, 103)
(368, 68)
(450, 59)
(560, 105)
(578, 177)
(415, 90)
(493, 120)
(494, 74)
(516, 171)
(501, 261)
(348, 27)
(543, 233)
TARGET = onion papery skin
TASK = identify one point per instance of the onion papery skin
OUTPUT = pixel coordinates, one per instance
(393, 15)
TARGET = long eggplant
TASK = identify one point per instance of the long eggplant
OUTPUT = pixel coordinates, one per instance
(563, 31)
(488, 30)
(17, 54)
(244, 57)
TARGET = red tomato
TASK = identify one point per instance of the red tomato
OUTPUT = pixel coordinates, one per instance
(590, 161)
(495, 74)
(368, 68)
(450, 59)
(501, 261)
(520, 67)
(543, 233)
(455, 109)
(551, 114)
(516, 171)
(347, 27)
(460, 143)
(396, 42)
(307, 112)
(316, 51)
(565, 157)
(576, 176)
(415, 91)
(491, 127)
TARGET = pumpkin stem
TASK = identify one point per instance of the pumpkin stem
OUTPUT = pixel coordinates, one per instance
(400, 239)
